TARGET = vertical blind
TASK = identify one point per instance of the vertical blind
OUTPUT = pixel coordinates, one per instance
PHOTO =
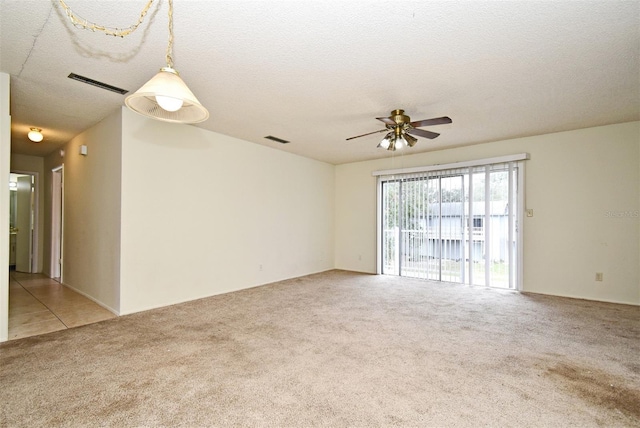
(457, 224)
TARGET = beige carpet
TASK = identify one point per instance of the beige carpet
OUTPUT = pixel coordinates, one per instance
(336, 349)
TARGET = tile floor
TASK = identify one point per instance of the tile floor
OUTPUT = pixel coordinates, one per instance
(39, 305)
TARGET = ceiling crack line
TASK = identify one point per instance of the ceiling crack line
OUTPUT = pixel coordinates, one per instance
(35, 41)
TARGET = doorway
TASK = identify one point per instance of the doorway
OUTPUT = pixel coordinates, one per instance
(23, 233)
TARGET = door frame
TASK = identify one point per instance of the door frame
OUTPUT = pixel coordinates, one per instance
(57, 222)
(35, 239)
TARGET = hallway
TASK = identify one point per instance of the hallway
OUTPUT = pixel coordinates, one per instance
(39, 305)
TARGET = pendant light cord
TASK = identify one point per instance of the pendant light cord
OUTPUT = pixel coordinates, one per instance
(170, 45)
(80, 22)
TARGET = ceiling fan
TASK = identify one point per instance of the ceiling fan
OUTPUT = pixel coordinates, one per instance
(400, 129)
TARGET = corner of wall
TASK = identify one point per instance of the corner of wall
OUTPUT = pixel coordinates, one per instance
(5, 169)
(92, 211)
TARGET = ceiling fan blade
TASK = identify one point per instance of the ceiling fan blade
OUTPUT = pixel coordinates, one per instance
(374, 132)
(386, 120)
(423, 133)
(430, 122)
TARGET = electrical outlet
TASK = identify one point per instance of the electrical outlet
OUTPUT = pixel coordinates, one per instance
(530, 213)
(360, 257)
(599, 276)
(260, 267)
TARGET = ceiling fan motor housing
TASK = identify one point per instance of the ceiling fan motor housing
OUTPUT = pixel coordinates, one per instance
(399, 117)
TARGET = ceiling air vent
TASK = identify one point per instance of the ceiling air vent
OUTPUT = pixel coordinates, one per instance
(97, 84)
(276, 139)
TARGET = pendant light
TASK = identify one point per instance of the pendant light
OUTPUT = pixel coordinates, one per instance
(166, 97)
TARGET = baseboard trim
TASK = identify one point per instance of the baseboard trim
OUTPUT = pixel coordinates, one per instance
(107, 307)
(566, 296)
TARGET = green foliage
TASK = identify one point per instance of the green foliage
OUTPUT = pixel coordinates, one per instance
(419, 196)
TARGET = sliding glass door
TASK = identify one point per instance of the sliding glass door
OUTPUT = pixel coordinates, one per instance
(452, 225)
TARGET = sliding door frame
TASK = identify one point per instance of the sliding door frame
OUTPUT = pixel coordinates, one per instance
(515, 231)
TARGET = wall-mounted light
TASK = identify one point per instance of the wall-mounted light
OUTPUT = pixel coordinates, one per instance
(35, 135)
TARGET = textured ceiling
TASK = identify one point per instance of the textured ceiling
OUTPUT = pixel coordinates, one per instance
(317, 72)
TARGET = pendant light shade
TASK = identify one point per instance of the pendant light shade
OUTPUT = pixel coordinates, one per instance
(166, 97)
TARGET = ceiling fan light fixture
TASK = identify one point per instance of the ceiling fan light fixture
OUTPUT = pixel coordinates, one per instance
(35, 135)
(397, 140)
(410, 140)
(386, 141)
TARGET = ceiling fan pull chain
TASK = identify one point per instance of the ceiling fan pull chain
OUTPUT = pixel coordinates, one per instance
(80, 22)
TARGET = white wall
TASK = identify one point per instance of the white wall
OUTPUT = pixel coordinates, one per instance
(201, 212)
(583, 185)
(91, 253)
(34, 164)
(5, 167)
